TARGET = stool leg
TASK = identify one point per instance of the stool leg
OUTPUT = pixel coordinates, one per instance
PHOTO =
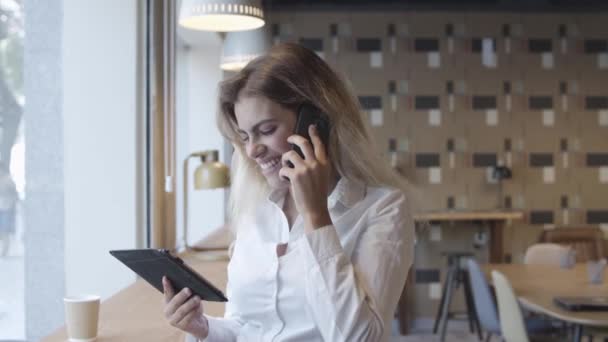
(448, 301)
(462, 280)
(442, 302)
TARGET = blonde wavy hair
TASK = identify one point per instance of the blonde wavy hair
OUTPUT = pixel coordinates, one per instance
(290, 75)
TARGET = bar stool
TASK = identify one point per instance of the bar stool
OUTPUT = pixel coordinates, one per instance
(457, 275)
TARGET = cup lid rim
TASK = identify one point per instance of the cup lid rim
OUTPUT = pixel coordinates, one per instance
(81, 298)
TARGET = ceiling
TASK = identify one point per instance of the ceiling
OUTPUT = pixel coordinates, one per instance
(490, 5)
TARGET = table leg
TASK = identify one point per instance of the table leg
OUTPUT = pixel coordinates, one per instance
(578, 333)
(444, 298)
(496, 237)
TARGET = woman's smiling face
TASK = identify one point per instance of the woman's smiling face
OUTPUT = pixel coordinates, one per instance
(264, 127)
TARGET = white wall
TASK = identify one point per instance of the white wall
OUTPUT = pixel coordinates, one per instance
(198, 76)
(100, 112)
(100, 118)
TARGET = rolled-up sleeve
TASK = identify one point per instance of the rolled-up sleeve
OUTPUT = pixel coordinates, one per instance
(353, 298)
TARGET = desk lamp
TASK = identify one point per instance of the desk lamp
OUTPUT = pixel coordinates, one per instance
(211, 174)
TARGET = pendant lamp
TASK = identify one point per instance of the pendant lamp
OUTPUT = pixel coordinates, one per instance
(221, 15)
(241, 47)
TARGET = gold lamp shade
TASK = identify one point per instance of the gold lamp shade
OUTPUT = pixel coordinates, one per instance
(211, 175)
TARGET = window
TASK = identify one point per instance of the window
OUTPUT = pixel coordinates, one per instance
(12, 171)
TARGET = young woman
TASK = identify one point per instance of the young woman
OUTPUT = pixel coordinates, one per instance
(323, 248)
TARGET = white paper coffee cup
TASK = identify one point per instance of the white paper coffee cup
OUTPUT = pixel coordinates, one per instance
(82, 317)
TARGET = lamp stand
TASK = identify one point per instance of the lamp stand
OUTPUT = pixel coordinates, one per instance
(213, 154)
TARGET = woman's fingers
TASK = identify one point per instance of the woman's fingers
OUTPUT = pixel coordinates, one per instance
(177, 301)
(293, 157)
(195, 312)
(167, 290)
(304, 145)
(286, 172)
(185, 309)
(319, 148)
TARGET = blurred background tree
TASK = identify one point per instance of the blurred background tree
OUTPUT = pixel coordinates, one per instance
(11, 76)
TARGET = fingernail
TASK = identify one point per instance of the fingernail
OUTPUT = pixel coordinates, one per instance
(188, 291)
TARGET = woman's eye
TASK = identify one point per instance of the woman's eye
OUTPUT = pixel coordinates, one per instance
(268, 131)
(244, 138)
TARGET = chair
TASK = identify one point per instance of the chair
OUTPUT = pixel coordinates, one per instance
(588, 242)
(456, 276)
(485, 307)
(483, 300)
(511, 318)
(546, 254)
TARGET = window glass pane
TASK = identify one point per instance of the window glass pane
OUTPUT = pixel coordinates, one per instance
(12, 171)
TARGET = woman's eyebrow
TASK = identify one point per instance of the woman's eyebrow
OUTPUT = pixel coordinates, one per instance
(255, 127)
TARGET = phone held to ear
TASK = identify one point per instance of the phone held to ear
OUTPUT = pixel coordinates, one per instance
(310, 115)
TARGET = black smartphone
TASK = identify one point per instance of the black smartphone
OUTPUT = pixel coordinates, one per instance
(310, 115)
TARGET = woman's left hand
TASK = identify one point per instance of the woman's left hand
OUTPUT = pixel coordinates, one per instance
(309, 178)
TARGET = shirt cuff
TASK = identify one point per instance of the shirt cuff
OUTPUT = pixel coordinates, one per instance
(320, 245)
(215, 333)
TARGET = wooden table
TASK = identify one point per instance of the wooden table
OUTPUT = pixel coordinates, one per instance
(495, 218)
(537, 285)
(135, 313)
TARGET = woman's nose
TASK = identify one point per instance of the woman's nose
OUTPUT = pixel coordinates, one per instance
(254, 149)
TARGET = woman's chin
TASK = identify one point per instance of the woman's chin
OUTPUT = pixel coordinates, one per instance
(276, 182)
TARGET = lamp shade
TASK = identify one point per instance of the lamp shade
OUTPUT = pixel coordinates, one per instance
(241, 47)
(221, 15)
(211, 174)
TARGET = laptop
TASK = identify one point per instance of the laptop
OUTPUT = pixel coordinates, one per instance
(590, 303)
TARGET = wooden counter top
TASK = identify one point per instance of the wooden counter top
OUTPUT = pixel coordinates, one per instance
(481, 215)
(135, 313)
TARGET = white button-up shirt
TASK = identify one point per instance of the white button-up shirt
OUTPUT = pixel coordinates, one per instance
(338, 283)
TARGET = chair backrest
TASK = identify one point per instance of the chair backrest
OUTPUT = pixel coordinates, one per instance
(588, 242)
(511, 318)
(482, 298)
(546, 254)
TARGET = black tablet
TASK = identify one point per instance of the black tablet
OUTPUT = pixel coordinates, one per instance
(153, 264)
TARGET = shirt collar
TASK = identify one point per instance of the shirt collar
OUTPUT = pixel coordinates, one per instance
(347, 192)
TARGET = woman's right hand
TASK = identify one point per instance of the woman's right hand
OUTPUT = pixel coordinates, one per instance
(183, 313)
